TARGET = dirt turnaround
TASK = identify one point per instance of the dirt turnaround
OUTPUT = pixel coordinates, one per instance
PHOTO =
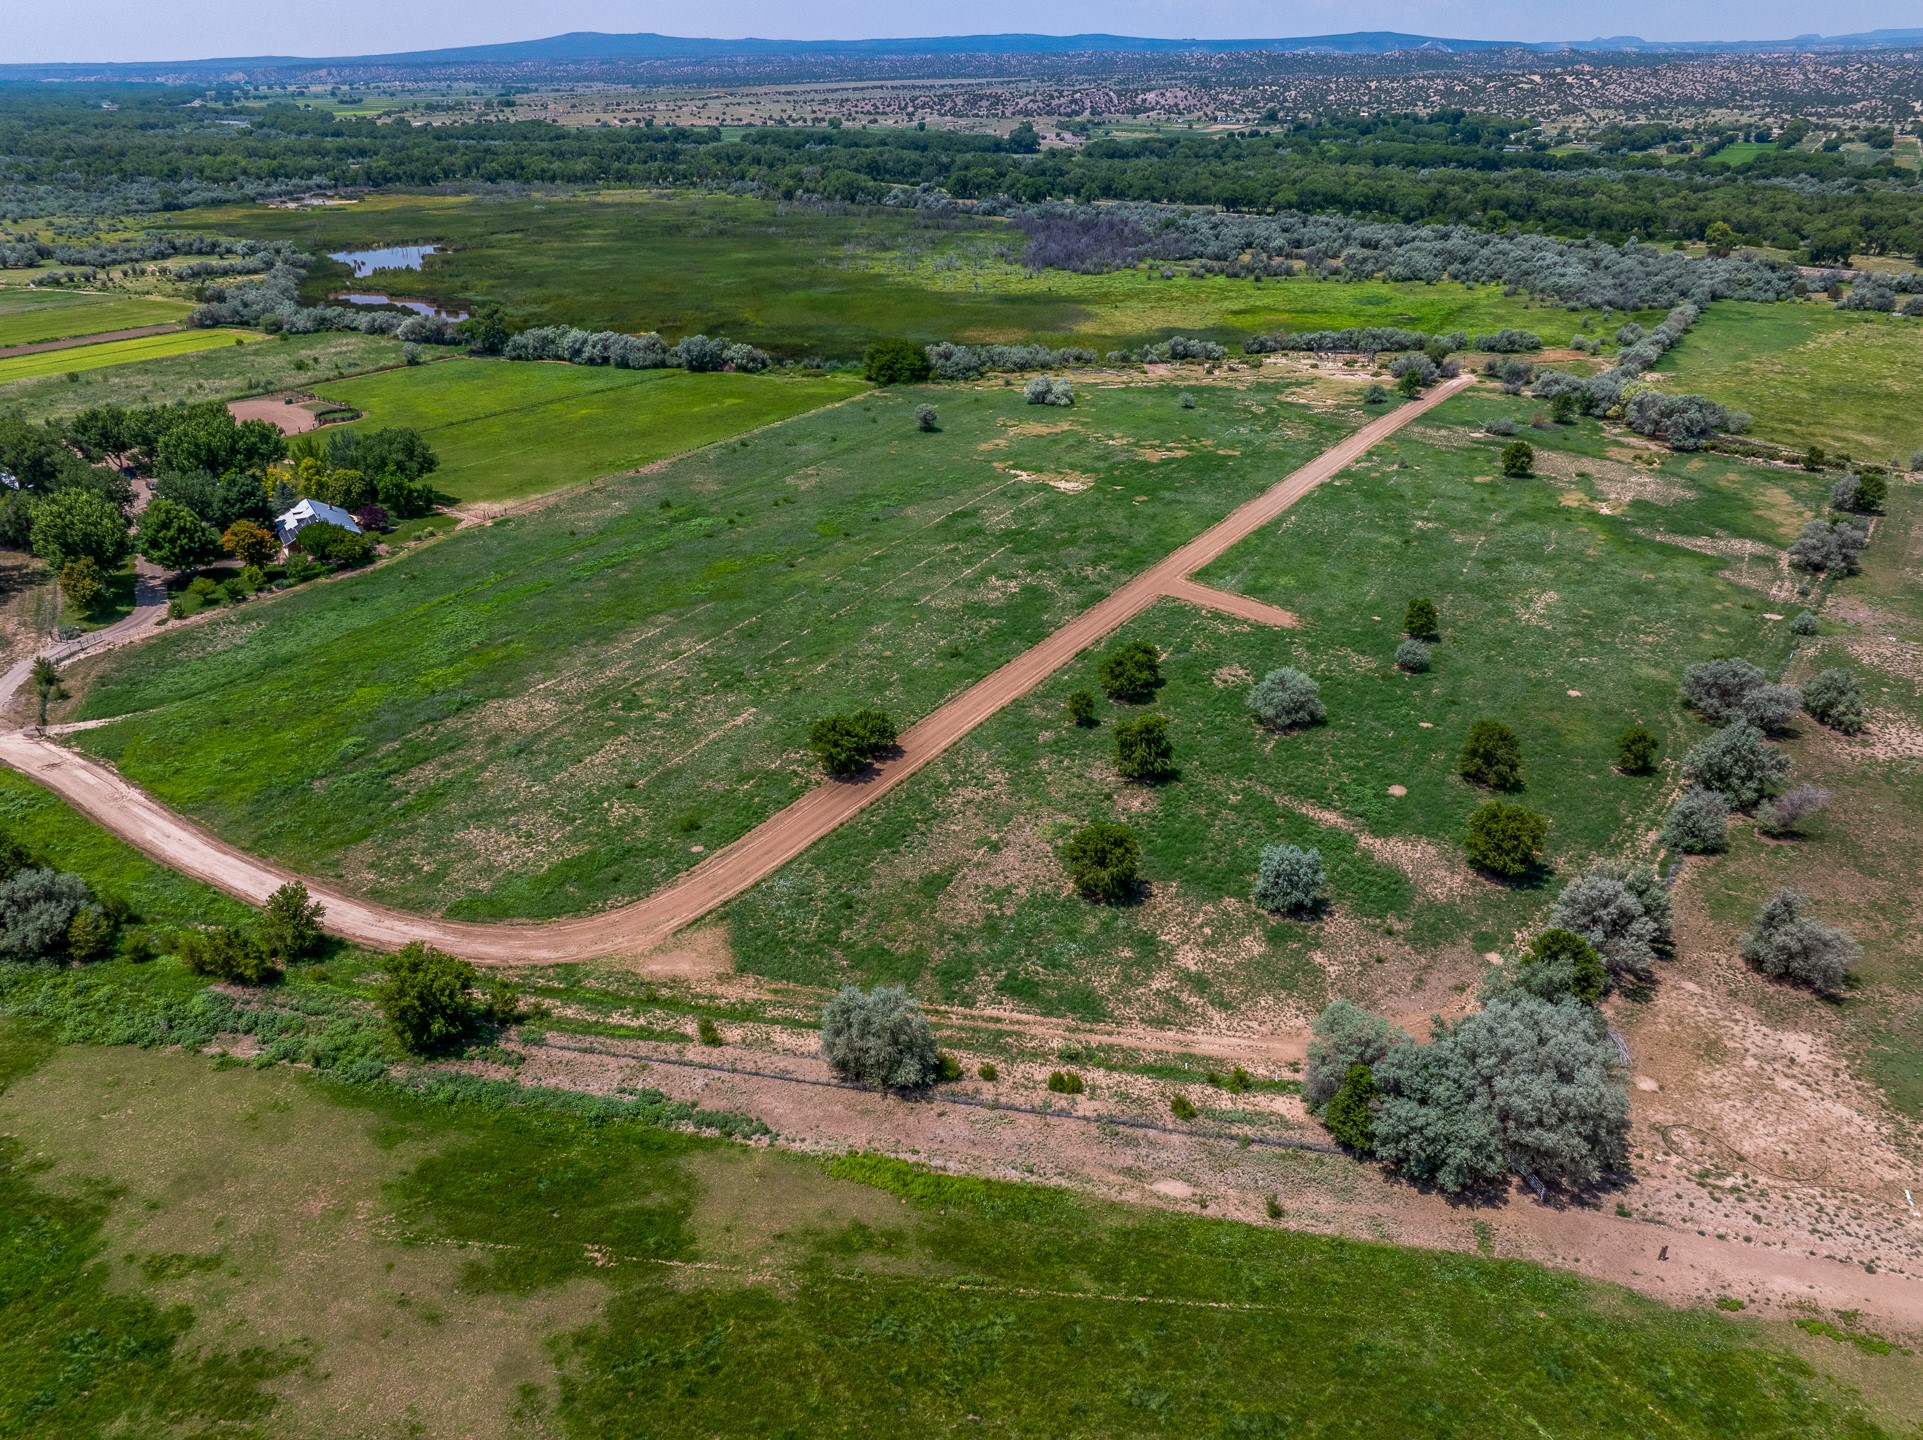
(129, 812)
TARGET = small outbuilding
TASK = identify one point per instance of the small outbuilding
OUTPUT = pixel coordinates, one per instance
(306, 513)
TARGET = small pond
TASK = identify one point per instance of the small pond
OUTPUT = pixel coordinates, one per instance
(419, 307)
(391, 257)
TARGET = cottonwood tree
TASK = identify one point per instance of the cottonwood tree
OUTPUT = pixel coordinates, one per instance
(174, 537)
(1605, 905)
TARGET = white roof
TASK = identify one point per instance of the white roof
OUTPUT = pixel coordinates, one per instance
(308, 511)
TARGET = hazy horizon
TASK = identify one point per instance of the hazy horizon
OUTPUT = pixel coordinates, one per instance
(135, 30)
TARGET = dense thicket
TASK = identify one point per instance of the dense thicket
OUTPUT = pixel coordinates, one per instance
(167, 149)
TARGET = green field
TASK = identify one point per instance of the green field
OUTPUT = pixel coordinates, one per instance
(222, 373)
(559, 711)
(802, 282)
(29, 317)
(119, 352)
(190, 1251)
(953, 884)
(507, 430)
(1848, 380)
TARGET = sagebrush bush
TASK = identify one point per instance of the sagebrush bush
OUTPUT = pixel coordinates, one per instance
(1285, 698)
(1698, 823)
(1785, 814)
(1289, 879)
(1716, 689)
(879, 1037)
(1738, 764)
(1787, 944)
(1413, 656)
(1835, 698)
(1804, 624)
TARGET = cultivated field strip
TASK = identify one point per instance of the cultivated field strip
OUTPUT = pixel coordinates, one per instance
(130, 813)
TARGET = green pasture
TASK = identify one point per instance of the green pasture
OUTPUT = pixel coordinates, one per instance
(1565, 614)
(806, 283)
(118, 352)
(28, 317)
(1848, 380)
(506, 430)
(190, 1250)
(563, 709)
(225, 372)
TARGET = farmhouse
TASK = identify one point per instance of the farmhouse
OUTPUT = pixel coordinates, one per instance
(306, 513)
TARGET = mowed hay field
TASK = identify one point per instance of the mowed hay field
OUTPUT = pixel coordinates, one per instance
(563, 709)
(1570, 602)
(804, 282)
(120, 352)
(28, 317)
(507, 430)
(259, 1252)
(1848, 380)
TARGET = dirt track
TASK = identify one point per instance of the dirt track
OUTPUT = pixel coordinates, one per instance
(98, 792)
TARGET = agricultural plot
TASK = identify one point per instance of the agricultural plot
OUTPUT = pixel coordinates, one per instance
(508, 430)
(119, 352)
(562, 710)
(1570, 603)
(28, 317)
(1848, 380)
(529, 1271)
(805, 283)
(224, 372)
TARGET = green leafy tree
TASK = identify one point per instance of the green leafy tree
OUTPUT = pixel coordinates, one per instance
(1560, 964)
(174, 537)
(1636, 751)
(879, 1037)
(1143, 750)
(1081, 707)
(1422, 621)
(71, 523)
(227, 953)
(844, 743)
(1492, 756)
(1343, 1036)
(333, 544)
(1409, 385)
(45, 680)
(1350, 1113)
(1505, 839)
(895, 362)
(426, 998)
(1518, 459)
(251, 543)
(485, 332)
(82, 585)
(1720, 238)
(1102, 860)
(290, 928)
(1131, 671)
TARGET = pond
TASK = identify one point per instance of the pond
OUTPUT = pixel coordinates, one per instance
(390, 257)
(419, 307)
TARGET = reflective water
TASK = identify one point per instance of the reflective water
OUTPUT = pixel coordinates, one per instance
(419, 307)
(392, 257)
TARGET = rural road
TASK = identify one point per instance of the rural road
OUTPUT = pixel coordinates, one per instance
(129, 812)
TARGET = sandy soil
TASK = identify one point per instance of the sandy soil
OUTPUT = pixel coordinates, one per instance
(98, 792)
(294, 419)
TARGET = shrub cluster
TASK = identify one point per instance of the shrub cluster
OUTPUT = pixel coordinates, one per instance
(879, 1037)
(1787, 943)
(1285, 698)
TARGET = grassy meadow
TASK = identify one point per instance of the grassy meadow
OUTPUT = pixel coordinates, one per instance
(119, 352)
(1564, 614)
(506, 430)
(203, 1259)
(1848, 380)
(563, 709)
(28, 317)
(804, 282)
(225, 372)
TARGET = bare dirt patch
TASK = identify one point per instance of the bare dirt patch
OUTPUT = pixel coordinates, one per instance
(1759, 566)
(1613, 481)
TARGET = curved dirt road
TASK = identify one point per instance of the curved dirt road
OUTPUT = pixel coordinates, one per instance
(101, 794)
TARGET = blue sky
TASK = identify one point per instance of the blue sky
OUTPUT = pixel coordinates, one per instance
(188, 29)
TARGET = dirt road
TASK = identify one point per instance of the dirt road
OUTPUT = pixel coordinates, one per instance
(73, 342)
(98, 792)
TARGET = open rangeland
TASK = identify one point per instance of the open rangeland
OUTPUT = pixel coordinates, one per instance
(564, 709)
(506, 431)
